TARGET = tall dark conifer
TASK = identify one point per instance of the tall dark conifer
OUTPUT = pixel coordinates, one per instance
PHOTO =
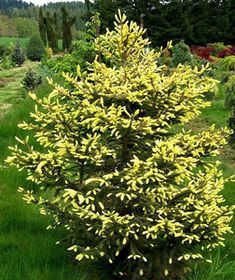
(67, 24)
(232, 22)
(56, 28)
(51, 32)
(42, 27)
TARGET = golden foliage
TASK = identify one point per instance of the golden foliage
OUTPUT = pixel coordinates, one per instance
(110, 172)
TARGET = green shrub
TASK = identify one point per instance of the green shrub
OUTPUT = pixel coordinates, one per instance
(4, 51)
(31, 80)
(230, 92)
(128, 191)
(217, 47)
(83, 53)
(223, 76)
(35, 48)
(5, 62)
(181, 54)
(226, 64)
(198, 61)
(17, 56)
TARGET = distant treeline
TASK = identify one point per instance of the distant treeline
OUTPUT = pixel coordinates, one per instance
(8, 5)
(198, 22)
(195, 21)
(20, 9)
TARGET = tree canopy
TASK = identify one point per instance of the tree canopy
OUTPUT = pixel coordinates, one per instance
(195, 21)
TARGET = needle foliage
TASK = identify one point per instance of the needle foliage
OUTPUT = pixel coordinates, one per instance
(111, 171)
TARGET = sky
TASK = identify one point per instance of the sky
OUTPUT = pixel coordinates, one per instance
(41, 2)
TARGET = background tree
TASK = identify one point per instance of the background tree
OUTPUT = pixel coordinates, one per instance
(106, 9)
(232, 21)
(52, 37)
(17, 55)
(88, 12)
(195, 21)
(35, 48)
(42, 26)
(67, 23)
(56, 28)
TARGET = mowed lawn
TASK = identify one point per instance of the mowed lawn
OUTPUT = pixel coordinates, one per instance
(7, 41)
(11, 90)
(27, 249)
(23, 42)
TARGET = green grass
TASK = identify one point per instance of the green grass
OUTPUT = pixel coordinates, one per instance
(223, 259)
(221, 269)
(27, 249)
(6, 41)
(11, 90)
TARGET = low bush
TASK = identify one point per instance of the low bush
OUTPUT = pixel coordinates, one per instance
(213, 51)
(181, 54)
(198, 61)
(203, 52)
(17, 56)
(109, 170)
(223, 76)
(227, 52)
(83, 53)
(35, 48)
(165, 57)
(217, 48)
(226, 64)
(231, 125)
(230, 92)
(4, 51)
(5, 60)
(31, 80)
(49, 53)
(6, 63)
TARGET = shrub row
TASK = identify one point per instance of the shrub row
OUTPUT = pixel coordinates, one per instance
(14, 55)
(212, 51)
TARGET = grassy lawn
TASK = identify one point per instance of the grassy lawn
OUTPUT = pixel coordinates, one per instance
(11, 90)
(28, 250)
(223, 266)
(6, 41)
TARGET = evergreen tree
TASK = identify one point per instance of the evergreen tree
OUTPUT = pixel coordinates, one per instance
(232, 22)
(42, 27)
(67, 23)
(51, 32)
(195, 21)
(35, 48)
(17, 55)
(106, 9)
(110, 171)
(224, 32)
(56, 28)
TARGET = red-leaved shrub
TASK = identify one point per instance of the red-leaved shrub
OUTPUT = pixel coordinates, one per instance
(227, 52)
(203, 52)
